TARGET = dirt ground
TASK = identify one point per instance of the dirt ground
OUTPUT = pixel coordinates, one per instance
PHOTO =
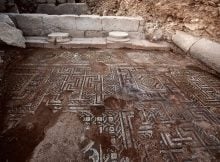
(108, 105)
(199, 17)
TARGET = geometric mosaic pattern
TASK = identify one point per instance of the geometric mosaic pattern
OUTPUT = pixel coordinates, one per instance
(157, 115)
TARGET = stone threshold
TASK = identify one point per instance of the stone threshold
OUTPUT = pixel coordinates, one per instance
(41, 42)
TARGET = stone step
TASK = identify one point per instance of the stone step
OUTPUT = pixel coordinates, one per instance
(58, 37)
(41, 42)
(85, 43)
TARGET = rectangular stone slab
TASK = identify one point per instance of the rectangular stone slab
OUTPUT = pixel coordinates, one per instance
(95, 34)
(85, 43)
(113, 23)
(56, 23)
(88, 22)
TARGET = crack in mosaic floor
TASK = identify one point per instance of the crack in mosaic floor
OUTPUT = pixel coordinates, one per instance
(133, 105)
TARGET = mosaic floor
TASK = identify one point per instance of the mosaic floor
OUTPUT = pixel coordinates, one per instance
(133, 105)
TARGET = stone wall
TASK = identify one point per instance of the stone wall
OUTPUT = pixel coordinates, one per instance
(59, 7)
(8, 6)
(52, 7)
(78, 26)
(66, 8)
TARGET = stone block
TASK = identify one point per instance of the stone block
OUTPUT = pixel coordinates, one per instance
(66, 8)
(97, 43)
(71, 1)
(136, 35)
(51, 1)
(47, 9)
(89, 22)
(76, 33)
(208, 52)
(85, 43)
(117, 23)
(184, 40)
(72, 8)
(61, 1)
(92, 34)
(56, 23)
(80, 8)
(37, 42)
(41, 1)
(118, 45)
(30, 24)
(11, 35)
(59, 37)
(6, 19)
